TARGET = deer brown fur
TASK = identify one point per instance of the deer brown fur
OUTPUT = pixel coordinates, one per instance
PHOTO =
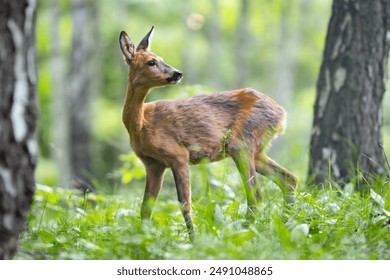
(173, 133)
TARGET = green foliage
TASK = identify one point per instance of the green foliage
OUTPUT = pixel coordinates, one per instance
(132, 168)
(327, 223)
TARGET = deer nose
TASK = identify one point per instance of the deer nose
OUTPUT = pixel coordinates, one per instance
(177, 75)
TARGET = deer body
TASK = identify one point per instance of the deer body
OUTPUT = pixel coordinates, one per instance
(173, 133)
(196, 127)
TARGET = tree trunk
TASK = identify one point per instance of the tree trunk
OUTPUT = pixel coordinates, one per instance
(18, 113)
(241, 49)
(346, 134)
(83, 79)
(191, 24)
(60, 124)
(214, 31)
(287, 50)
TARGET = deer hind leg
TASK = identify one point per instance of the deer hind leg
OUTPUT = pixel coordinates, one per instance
(246, 167)
(286, 181)
(181, 176)
(154, 179)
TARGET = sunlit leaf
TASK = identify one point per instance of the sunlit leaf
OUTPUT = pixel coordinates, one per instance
(378, 199)
(47, 236)
(299, 233)
(218, 215)
(127, 176)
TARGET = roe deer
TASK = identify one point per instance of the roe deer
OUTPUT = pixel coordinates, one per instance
(173, 133)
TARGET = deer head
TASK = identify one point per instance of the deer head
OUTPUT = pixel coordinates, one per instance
(146, 69)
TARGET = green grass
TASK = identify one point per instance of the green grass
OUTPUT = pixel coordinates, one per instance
(325, 223)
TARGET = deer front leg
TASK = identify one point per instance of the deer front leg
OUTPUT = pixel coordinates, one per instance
(181, 176)
(154, 179)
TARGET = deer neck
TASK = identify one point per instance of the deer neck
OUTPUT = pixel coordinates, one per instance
(133, 108)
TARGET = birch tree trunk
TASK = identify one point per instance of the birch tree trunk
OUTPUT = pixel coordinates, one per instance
(18, 113)
(346, 134)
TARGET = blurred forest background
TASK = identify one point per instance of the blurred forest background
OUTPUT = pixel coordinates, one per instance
(273, 46)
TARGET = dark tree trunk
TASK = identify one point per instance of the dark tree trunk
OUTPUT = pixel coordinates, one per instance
(18, 113)
(346, 134)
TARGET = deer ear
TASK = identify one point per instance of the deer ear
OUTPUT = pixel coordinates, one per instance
(127, 46)
(146, 43)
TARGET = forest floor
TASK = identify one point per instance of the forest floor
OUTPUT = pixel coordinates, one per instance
(326, 222)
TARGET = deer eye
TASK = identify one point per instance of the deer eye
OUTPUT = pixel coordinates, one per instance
(151, 63)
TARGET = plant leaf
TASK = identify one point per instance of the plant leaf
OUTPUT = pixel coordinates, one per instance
(299, 233)
(378, 199)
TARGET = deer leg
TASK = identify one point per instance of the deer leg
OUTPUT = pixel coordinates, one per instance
(154, 179)
(286, 181)
(246, 167)
(181, 176)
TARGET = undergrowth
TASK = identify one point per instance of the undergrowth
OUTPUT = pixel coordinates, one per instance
(326, 222)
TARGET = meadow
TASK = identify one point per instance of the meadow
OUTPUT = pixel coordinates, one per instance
(326, 222)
